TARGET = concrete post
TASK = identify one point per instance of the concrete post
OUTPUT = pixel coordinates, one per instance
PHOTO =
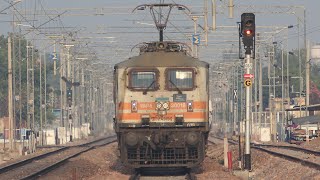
(10, 105)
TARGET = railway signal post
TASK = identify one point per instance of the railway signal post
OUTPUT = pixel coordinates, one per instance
(248, 38)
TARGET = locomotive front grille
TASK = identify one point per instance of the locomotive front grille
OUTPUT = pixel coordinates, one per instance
(147, 156)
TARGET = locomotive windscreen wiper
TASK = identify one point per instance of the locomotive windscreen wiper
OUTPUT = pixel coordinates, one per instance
(146, 90)
(179, 91)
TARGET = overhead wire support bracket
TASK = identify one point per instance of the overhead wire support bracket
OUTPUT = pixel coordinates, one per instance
(160, 22)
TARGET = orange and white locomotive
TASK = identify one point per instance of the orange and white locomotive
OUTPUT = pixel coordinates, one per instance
(161, 107)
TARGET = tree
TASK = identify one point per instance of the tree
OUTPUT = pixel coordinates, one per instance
(4, 80)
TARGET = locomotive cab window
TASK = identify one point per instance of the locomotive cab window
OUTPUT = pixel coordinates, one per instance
(181, 79)
(143, 79)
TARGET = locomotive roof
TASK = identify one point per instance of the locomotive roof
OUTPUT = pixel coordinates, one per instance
(162, 59)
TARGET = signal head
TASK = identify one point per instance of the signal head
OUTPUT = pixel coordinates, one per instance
(248, 25)
(69, 94)
(248, 32)
(248, 28)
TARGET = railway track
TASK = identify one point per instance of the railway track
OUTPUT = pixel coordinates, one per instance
(36, 166)
(299, 155)
(304, 156)
(308, 151)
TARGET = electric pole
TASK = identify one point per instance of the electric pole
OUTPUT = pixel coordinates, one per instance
(214, 14)
(10, 99)
(195, 45)
(308, 77)
(40, 99)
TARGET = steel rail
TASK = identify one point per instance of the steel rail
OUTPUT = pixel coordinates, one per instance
(25, 161)
(18, 164)
(308, 151)
(51, 167)
(291, 158)
(284, 156)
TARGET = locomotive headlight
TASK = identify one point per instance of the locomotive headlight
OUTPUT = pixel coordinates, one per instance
(190, 106)
(192, 138)
(161, 46)
(131, 139)
(134, 106)
(159, 105)
(165, 105)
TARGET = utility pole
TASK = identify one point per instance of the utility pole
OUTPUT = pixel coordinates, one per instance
(288, 68)
(235, 98)
(255, 93)
(206, 21)
(30, 87)
(41, 123)
(282, 95)
(20, 80)
(260, 91)
(10, 99)
(274, 93)
(307, 47)
(308, 77)
(195, 46)
(83, 94)
(214, 15)
(54, 59)
(45, 89)
(300, 74)
(70, 76)
(62, 89)
(274, 114)
(231, 7)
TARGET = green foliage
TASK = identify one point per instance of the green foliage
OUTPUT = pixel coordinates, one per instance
(294, 73)
(3, 76)
(23, 65)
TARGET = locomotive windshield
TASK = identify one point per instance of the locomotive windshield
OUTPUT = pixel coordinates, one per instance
(143, 80)
(180, 79)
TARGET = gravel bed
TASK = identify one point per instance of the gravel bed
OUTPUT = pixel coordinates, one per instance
(212, 166)
(30, 168)
(297, 154)
(313, 145)
(15, 157)
(266, 166)
(103, 163)
(100, 163)
(269, 167)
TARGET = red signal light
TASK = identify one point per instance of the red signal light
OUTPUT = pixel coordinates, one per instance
(248, 32)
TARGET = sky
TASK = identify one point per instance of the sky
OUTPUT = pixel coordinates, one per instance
(311, 6)
(118, 40)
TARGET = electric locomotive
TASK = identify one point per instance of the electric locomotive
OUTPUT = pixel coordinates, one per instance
(162, 107)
